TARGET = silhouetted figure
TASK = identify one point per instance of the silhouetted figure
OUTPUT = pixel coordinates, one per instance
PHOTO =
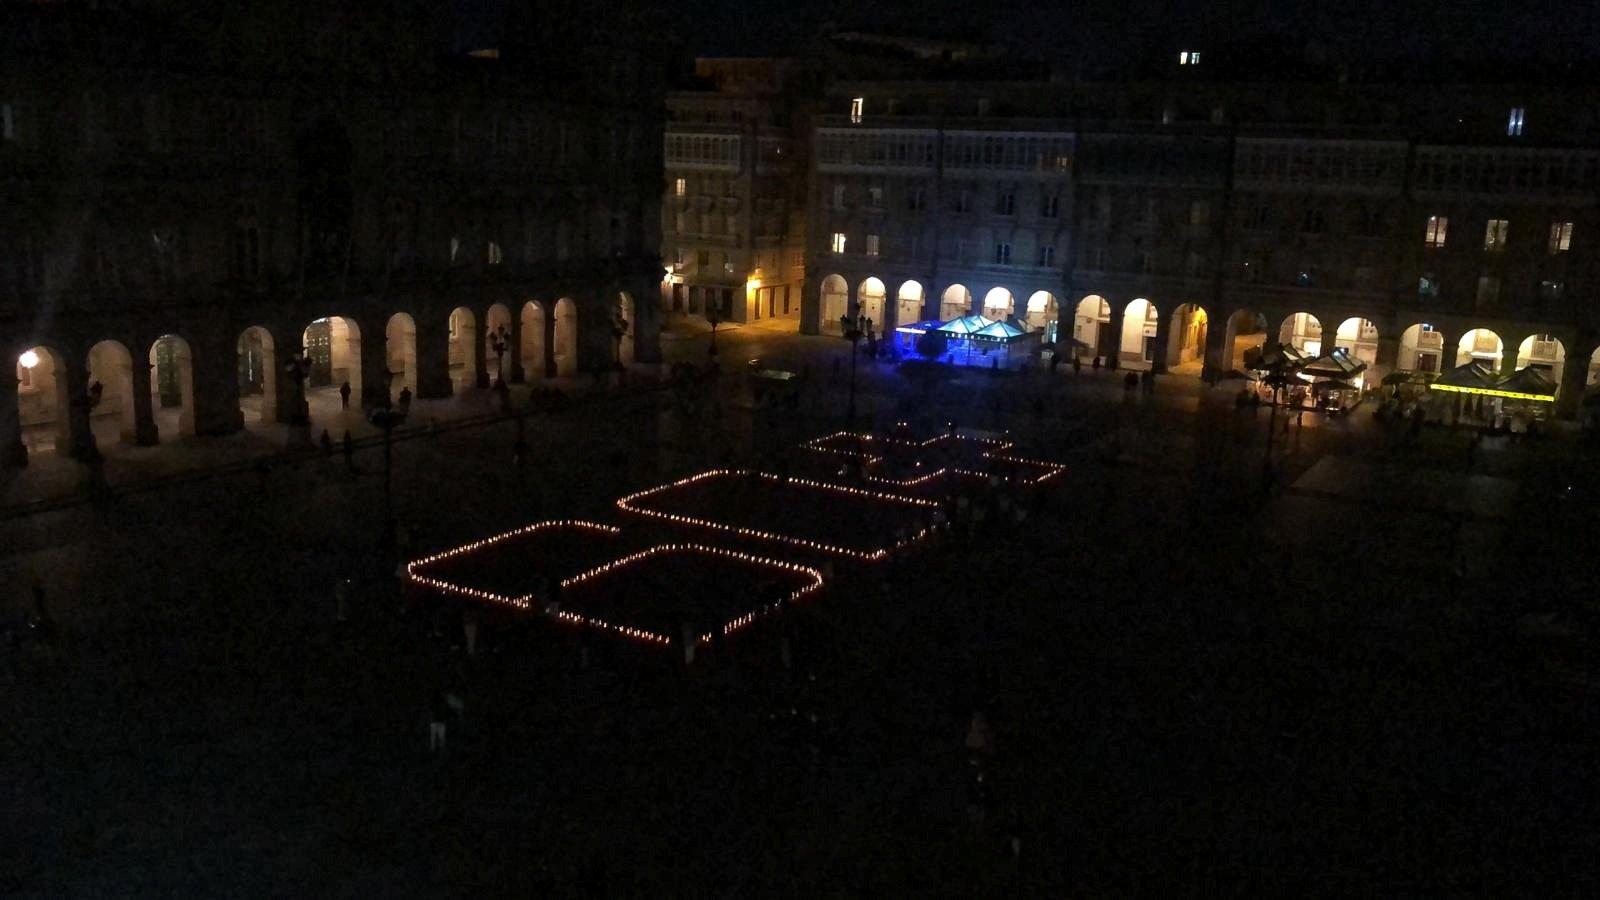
(344, 395)
(1097, 363)
(349, 451)
(1077, 364)
(327, 443)
(405, 400)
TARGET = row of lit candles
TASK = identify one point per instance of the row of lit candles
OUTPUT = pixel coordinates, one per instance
(414, 569)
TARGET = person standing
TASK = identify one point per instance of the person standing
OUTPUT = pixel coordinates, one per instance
(349, 451)
(344, 395)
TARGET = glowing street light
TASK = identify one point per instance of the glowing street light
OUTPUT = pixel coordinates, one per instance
(28, 359)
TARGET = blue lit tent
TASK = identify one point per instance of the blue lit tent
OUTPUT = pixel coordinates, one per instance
(906, 336)
(981, 341)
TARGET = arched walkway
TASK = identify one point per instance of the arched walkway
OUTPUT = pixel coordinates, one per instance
(533, 358)
(625, 310)
(42, 404)
(870, 295)
(111, 367)
(908, 305)
(999, 304)
(566, 337)
(1092, 313)
(835, 303)
(1421, 349)
(172, 386)
(1137, 349)
(1481, 345)
(496, 342)
(1303, 332)
(400, 347)
(956, 302)
(463, 349)
(1359, 338)
(1186, 339)
(1245, 339)
(1544, 352)
(1041, 314)
(258, 376)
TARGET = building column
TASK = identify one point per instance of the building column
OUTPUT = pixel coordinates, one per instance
(375, 384)
(74, 379)
(1111, 333)
(13, 453)
(215, 373)
(1388, 359)
(514, 373)
(480, 347)
(811, 305)
(549, 320)
(144, 419)
(1216, 359)
(1574, 380)
(433, 357)
(1158, 361)
(1449, 343)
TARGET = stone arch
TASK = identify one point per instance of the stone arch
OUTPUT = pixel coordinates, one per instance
(533, 355)
(1544, 352)
(258, 375)
(955, 302)
(1303, 332)
(463, 348)
(1041, 312)
(908, 303)
(172, 386)
(111, 367)
(1140, 322)
(1088, 320)
(1481, 345)
(1244, 340)
(43, 404)
(333, 348)
(1421, 349)
(999, 303)
(400, 354)
(627, 311)
(869, 301)
(1359, 338)
(1186, 338)
(835, 302)
(496, 343)
(566, 337)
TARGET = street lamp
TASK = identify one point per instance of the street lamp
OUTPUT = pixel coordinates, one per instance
(387, 419)
(850, 326)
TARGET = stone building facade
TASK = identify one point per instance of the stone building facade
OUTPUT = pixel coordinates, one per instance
(1187, 221)
(189, 202)
(733, 212)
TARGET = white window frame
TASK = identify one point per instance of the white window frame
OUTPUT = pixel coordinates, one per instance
(838, 242)
(1002, 253)
(1560, 237)
(1514, 121)
(872, 245)
(1496, 234)
(680, 188)
(1438, 228)
(1047, 256)
(858, 107)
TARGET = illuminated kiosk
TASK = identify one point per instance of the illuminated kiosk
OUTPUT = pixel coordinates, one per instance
(1336, 380)
(1473, 391)
(906, 336)
(811, 516)
(646, 596)
(976, 341)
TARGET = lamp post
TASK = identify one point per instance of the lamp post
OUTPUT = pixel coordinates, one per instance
(387, 419)
(298, 368)
(500, 342)
(850, 327)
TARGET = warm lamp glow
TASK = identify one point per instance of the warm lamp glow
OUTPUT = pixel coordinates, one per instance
(29, 359)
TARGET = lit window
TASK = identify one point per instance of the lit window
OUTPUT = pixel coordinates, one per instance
(495, 256)
(1428, 286)
(1437, 226)
(455, 248)
(856, 106)
(838, 242)
(1047, 257)
(1488, 290)
(1189, 58)
(872, 245)
(680, 188)
(1494, 235)
(1002, 254)
(1514, 122)
(1560, 237)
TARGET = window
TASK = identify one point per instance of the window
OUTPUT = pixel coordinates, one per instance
(455, 248)
(1050, 207)
(1307, 276)
(1097, 259)
(872, 245)
(961, 249)
(1219, 115)
(1194, 264)
(1488, 290)
(1514, 122)
(678, 257)
(875, 197)
(1560, 237)
(983, 106)
(916, 199)
(678, 223)
(680, 188)
(1551, 290)
(1002, 254)
(963, 201)
(1363, 278)
(838, 196)
(1260, 218)
(1007, 204)
(1199, 212)
(916, 246)
(857, 106)
(1147, 261)
(702, 260)
(730, 224)
(1370, 221)
(1047, 257)
(1434, 236)
(495, 256)
(838, 242)
(1313, 222)
(8, 125)
(1428, 286)
(1494, 235)
(1189, 58)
